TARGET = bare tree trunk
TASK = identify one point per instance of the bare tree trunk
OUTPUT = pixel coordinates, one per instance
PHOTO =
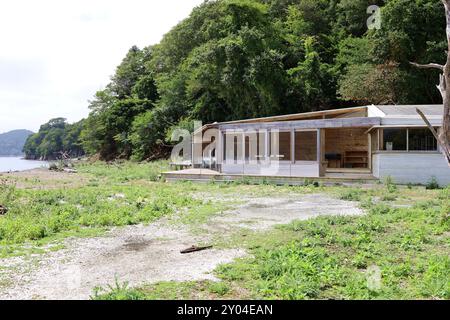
(445, 90)
(444, 87)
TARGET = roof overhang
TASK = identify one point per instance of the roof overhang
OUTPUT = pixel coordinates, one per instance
(300, 116)
(410, 121)
(397, 127)
(362, 122)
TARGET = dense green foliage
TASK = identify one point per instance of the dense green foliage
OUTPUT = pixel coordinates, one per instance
(234, 59)
(53, 138)
(11, 143)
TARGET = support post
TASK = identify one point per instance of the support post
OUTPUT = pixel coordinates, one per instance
(369, 159)
(321, 151)
(292, 146)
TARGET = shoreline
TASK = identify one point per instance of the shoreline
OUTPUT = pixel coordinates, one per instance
(13, 164)
(24, 171)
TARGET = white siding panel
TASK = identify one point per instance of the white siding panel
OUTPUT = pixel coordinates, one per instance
(412, 167)
(307, 170)
(435, 121)
(232, 168)
(376, 165)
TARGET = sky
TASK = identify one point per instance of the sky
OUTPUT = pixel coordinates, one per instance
(54, 55)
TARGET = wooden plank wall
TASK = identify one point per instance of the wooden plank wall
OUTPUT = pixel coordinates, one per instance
(346, 139)
(306, 146)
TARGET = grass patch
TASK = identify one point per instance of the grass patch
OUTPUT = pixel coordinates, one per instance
(39, 214)
(163, 291)
(328, 257)
(112, 196)
(125, 171)
(334, 257)
(322, 258)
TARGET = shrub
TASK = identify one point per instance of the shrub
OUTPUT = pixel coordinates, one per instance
(388, 197)
(117, 292)
(7, 192)
(295, 272)
(432, 184)
(219, 288)
(351, 195)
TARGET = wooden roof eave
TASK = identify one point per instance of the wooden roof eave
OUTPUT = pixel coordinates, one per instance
(298, 116)
(360, 122)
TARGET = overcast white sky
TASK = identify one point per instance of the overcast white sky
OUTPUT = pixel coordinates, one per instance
(54, 55)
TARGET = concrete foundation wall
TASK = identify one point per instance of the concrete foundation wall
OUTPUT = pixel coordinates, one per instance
(411, 167)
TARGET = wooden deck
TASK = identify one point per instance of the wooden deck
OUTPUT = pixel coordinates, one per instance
(206, 176)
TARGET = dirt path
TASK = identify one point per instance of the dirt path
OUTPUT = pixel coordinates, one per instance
(148, 254)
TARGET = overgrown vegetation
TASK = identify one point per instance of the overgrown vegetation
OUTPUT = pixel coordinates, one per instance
(162, 291)
(405, 234)
(112, 195)
(406, 239)
(235, 59)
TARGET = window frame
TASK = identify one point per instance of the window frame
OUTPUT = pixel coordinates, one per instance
(295, 144)
(431, 134)
(270, 155)
(380, 141)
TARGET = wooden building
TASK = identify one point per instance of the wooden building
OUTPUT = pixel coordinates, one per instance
(362, 143)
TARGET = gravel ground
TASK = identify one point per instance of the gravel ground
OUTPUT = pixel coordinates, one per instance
(147, 254)
(42, 178)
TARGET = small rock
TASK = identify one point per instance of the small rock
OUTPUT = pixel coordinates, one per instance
(70, 170)
(3, 210)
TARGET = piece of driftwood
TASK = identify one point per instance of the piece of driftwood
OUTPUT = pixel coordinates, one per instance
(3, 210)
(195, 249)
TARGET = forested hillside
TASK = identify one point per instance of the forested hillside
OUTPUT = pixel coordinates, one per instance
(12, 142)
(234, 59)
(54, 137)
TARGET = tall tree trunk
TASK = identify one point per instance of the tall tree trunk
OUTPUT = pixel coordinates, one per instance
(445, 89)
(443, 137)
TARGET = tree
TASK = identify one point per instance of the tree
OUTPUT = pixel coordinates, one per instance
(236, 59)
(131, 92)
(55, 137)
(443, 137)
(411, 30)
(372, 84)
(310, 76)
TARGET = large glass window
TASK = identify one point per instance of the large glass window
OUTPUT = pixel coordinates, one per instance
(261, 156)
(232, 147)
(254, 146)
(422, 140)
(412, 139)
(284, 146)
(394, 139)
(306, 146)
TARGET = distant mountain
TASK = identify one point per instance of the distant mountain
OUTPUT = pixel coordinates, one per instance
(11, 143)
